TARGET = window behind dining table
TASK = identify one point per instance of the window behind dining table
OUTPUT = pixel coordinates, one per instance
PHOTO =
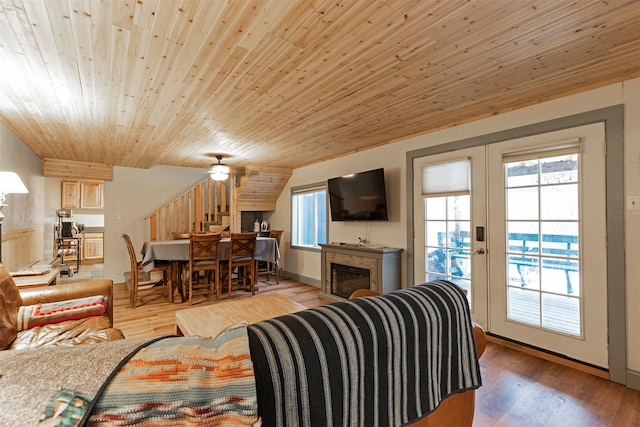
(309, 216)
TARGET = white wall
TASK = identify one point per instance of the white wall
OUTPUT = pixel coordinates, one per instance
(23, 211)
(128, 199)
(89, 219)
(306, 264)
(52, 202)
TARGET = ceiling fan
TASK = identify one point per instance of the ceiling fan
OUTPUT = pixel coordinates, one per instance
(219, 171)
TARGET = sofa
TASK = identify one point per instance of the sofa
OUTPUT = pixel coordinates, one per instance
(61, 315)
(409, 357)
(457, 409)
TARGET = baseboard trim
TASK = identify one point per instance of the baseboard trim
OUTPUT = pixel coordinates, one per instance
(300, 278)
(579, 366)
(633, 379)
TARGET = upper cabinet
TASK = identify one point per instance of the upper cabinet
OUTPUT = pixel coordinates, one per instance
(83, 194)
(71, 194)
(92, 195)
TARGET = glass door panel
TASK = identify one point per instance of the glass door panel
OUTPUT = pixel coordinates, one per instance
(542, 225)
(448, 237)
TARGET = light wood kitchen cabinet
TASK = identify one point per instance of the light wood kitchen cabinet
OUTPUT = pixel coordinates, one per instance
(82, 194)
(92, 195)
(71, 194)
(92, 245)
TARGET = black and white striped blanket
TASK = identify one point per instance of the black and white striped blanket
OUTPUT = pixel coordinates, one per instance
(380, 361)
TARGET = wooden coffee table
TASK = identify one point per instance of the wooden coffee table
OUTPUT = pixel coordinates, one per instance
(210, 320)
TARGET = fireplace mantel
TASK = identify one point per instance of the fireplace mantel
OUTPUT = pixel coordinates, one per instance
(383, 264)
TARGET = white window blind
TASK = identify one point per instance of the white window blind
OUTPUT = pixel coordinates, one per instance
(449, 178)
(559, 148)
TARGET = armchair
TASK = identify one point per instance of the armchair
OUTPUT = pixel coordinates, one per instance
(80, 324)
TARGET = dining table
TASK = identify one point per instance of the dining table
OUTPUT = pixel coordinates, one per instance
(177, 251)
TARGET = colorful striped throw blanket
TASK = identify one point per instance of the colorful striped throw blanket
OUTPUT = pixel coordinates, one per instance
(181, 381)
(380, 361)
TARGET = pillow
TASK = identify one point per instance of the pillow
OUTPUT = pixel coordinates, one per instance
(55, 312)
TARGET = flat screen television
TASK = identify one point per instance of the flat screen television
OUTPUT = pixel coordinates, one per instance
(358, 197)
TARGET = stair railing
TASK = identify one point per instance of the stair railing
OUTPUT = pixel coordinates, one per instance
(192, 211)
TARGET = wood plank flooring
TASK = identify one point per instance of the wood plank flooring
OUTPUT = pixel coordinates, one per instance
(154, 316)
(523, 390)
(518, 389)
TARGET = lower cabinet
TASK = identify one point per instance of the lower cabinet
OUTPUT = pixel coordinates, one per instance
(92, 246)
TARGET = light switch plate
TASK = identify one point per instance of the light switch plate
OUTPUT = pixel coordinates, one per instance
(633, 203)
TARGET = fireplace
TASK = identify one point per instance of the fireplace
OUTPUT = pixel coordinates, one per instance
(348, 267)
(346, 279)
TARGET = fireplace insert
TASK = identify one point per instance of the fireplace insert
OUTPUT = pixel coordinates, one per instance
(346, 279)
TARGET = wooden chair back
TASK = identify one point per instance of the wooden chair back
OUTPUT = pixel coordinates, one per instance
(242, 253)
(276, 234)
(273, 269)
(204, 255)
(177, 235)
(133, 281)
(242, 245)
(204, 247)
(132, 258)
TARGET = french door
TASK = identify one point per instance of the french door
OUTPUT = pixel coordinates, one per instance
(526, 238)
(450, 211)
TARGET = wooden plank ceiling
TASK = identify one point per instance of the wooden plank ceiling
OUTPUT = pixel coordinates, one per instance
(286, 83)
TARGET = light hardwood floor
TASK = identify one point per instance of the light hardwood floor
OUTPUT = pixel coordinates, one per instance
(518, 389)
(154, 316)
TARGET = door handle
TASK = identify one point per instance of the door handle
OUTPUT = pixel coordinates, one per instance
(479, 251)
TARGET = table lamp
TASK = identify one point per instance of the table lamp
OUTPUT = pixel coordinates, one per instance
(10, 182)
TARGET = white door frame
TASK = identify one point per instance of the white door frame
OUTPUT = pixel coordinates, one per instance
(613, 117)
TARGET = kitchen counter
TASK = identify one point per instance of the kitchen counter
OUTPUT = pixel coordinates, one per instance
(93, 230)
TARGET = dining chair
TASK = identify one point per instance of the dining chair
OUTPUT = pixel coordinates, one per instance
(274, 267)
(177, 235)
(204, 255)
(242, 254)
(268, 268)
(138, 279)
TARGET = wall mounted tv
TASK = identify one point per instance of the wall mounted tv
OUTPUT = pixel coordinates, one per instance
(358, 197)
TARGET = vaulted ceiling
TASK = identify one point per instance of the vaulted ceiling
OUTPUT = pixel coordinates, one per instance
(289, 83)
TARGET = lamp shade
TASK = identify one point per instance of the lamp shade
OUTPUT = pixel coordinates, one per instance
(10, 182)
(219, 172)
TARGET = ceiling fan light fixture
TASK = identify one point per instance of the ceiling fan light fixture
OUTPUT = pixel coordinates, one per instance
(219, 172)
